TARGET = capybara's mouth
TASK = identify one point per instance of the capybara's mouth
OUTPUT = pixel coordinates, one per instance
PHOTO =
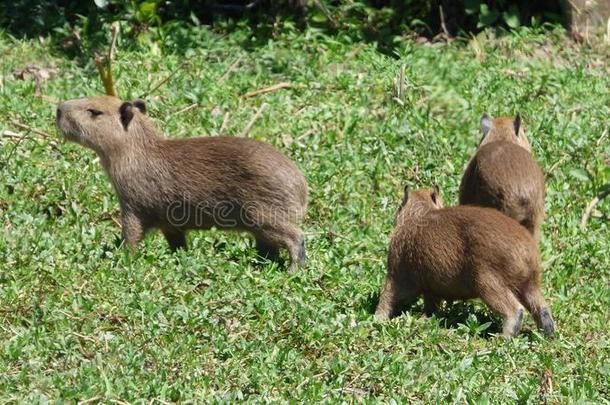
(67, 129)
(68, 134)
(72, 137)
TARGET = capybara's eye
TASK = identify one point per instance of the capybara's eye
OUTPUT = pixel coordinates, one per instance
(94, 112)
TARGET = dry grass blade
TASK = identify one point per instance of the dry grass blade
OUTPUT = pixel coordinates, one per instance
(546, 383)
(225, 122)
(21, 137)
(591, 206)
(443, 24)
(104, 66)
(117, 401)
(32, 129)
(11, 134)
(356, 391)
(185, 109)
(90, 400)
(401, 82)
(164, 80)
(115, 34)
(255, 118)
(231, 69)
(282, 85)
(326, 13)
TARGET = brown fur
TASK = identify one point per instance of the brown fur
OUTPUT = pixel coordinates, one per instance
(195, 183)
(504, 175)
(463, 252)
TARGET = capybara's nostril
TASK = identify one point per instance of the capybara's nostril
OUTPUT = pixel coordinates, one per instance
(58, 114)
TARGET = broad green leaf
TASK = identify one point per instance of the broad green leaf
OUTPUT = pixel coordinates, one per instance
(487, 16)
(580, 174)
(472, 6)
(511, 17)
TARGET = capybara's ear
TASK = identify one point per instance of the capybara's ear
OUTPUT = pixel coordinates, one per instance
(140, 105)
(517, 123)
(405, 196)
(126, 113)
(434, 194)
(485, 123)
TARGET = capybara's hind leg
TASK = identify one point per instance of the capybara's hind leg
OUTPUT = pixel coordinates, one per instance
(302, 254)
(295, 243)
(288, 237)
(502, 301)
(532, 299)
(394, 294)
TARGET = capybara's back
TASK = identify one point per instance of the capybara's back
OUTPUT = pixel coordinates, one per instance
(248, 183)
(456, 238)
(504, 176)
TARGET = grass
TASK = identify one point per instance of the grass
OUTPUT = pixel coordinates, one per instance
(82, 319)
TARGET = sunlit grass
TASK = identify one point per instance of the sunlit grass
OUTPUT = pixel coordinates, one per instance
(80, 318)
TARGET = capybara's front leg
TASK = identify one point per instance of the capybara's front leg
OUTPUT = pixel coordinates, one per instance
(285, 236)
(175, 238)
(430, 304)
(133, 229)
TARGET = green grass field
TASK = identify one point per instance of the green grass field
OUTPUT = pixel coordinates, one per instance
(82, 319)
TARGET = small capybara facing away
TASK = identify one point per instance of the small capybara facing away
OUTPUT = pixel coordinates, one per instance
(195, 183)
(504, 175)
(462, 252)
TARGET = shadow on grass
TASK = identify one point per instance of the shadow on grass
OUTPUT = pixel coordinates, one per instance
(369, 304)
(382, 22)
(77, 28)
(456, 315)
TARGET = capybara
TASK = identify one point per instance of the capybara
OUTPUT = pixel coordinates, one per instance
(504, 175)
(462, 252)
(193, 183)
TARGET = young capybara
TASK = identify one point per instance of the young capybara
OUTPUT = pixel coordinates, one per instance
(194, 183)
(504, 175)
(462, 252)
